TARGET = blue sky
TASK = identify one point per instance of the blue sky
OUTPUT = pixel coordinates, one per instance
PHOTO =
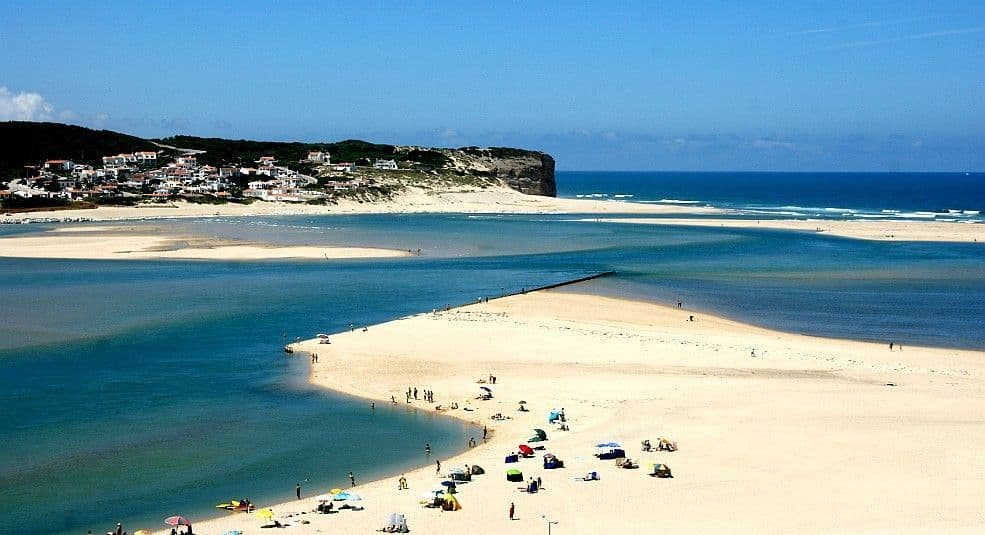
(842, 86)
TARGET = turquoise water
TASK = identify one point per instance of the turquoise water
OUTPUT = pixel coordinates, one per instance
(136, 390)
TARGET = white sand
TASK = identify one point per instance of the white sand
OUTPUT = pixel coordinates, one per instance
(506, 201)
(803, 437)
(883, 230)
(120, 243)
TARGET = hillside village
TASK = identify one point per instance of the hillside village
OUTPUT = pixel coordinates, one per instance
(151, 176)
(46, 166)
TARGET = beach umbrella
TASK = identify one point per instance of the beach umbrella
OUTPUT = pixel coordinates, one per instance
(486, 388)
(234, 532)
(177, 520)
(513, 472)
(352, 497)
(523, 402)
(526, 450)
(335, 491)
(342, 496)
(141, 532)
(448, 483)
(608, 445)
(541, 433)
(266, 514)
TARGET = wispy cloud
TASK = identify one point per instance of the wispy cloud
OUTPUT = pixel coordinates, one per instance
(914, 37)
(870, 24)
(770, 144)
(24, 106)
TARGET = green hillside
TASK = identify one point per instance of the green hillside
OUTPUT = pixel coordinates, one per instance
(29, 143)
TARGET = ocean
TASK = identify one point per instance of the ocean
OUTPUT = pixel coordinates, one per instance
(893, 196)
(134, 390)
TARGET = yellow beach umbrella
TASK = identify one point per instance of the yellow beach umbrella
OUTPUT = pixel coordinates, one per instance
(141, 532)
(266, 514)
(335, 491)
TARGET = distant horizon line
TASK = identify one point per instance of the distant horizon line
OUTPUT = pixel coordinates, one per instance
(694, 171)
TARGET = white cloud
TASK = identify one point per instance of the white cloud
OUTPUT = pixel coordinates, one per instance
(24, 106)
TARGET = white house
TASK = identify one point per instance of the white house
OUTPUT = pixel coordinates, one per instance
(59, 165)
(187, 161)
(145, 156)
(319, 157)
(385, 165)
(345, 167)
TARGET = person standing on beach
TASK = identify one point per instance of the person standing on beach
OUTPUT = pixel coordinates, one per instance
(402, 483)
(352, 479)
(437, 469)
(512, 510)
(415, 393)
(485, 432)
(297, 490)
(890, 346)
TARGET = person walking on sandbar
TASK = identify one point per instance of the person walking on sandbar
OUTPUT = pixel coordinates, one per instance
(512, 510)
(352, 479)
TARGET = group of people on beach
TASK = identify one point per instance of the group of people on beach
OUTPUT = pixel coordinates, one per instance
(897, 346)
(412, 392)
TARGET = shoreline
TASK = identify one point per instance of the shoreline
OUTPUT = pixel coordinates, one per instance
(506, 201)
(640, 355)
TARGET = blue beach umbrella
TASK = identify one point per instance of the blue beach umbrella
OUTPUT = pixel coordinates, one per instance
(608, 445)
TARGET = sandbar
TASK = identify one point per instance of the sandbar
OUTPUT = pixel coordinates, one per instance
(778, 433)
(142, 243)
(882, 230)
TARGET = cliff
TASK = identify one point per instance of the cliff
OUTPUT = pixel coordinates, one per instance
(523, 170)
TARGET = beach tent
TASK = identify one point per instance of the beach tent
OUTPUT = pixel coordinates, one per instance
(661, 471)
(612, 453)
(526, 450)
(396, 523)
(476, 470)
(539, 436)
(451, 503)
(514, 475)
(341, 496)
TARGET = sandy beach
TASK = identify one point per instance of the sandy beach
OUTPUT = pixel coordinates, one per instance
(777, 433)
(860, 229)
(506, 201)
(413, 200)
(144, 243)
